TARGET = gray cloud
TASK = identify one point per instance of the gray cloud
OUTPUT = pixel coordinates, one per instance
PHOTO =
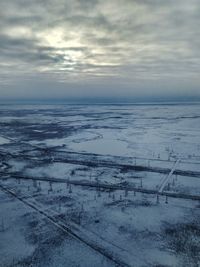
(122, 45)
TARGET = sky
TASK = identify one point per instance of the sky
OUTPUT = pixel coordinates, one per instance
(134, 50)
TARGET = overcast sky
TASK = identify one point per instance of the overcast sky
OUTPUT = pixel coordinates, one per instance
(134, 49)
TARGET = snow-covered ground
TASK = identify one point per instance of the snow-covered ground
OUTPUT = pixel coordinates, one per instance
(95, 170)
(3, 140)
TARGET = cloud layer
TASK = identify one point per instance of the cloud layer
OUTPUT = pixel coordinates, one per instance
(99, 48)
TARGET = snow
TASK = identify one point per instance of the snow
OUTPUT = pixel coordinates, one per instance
(92, 144)
(13, 245)
(107, 144)
(4, 140)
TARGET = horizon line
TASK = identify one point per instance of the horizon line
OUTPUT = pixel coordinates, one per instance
(85, 102)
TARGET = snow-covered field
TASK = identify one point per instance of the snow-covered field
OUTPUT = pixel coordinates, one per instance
(3, 140)
(100, 185)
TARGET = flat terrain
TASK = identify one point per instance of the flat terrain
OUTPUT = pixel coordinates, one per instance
(100, 185)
